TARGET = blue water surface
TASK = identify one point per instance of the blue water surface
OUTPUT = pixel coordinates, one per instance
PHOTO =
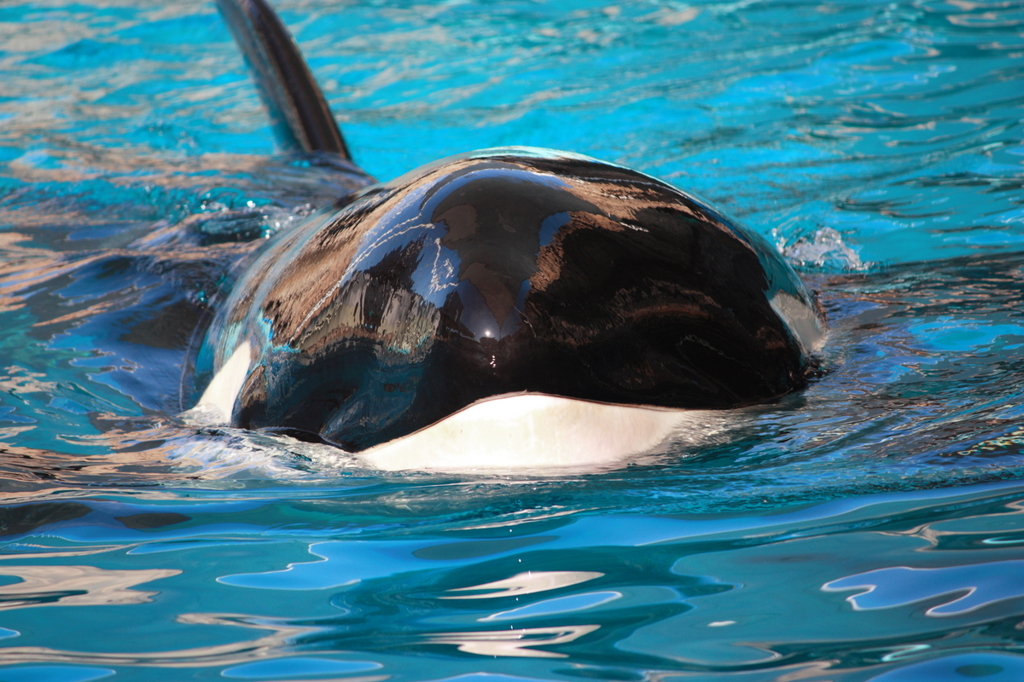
(868, 527)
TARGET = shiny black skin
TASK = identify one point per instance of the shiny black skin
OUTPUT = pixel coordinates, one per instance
(504, 271)
(298, 111)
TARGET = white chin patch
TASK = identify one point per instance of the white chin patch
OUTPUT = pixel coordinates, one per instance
(534, 431)
(218, 400)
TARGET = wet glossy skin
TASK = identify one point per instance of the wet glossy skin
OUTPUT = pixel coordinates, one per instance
(505, 271)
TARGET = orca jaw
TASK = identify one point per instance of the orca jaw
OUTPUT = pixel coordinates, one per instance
(514, 433)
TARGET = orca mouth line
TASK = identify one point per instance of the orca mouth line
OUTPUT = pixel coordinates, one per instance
(508, 305)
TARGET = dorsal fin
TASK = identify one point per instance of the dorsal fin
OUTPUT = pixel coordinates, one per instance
(300, 115)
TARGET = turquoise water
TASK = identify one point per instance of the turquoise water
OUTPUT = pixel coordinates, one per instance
(867, 528)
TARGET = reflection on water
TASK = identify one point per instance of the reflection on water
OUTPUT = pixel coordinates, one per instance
(199, 657)
(514, 642)
(284, 667)
(75, 586)
(28, 517)
(705, 594)
(991, 667)
(548, 607)
(522, 584)
(967, 587)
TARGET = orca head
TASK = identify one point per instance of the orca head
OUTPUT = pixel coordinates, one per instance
(499, 272)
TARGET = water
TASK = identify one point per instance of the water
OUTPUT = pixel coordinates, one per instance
(867, 528)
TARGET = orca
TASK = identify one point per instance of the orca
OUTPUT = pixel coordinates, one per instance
(504, 308)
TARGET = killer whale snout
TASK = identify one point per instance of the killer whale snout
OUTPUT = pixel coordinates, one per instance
(512, 272)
